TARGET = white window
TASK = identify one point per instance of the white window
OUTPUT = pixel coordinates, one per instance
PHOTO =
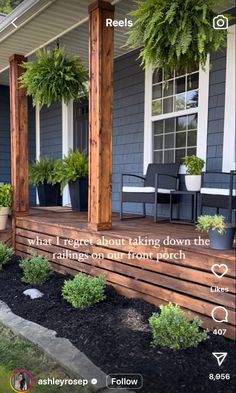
(174, 136)
(175, 115)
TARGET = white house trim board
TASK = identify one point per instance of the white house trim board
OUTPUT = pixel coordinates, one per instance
(148, 139)
(37, 139)
(37, 127)
(202, 111)
(67, 140)
(229, 143)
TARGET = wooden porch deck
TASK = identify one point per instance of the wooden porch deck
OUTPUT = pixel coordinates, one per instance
(160, 263)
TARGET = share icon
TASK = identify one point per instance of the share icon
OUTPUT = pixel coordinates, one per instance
(220, 357)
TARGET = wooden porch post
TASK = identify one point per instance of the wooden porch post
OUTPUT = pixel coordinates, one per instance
(19, 138)
(101, 45)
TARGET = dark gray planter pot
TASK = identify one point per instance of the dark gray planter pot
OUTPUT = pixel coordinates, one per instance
(79, 194)
(222, 241)
(49, 195)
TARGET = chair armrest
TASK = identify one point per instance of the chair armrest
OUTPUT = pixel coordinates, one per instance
(158, 175)
(231, 175)
(217, 172)
(132, 175)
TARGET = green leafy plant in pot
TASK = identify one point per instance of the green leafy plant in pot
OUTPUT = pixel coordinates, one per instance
(175, 35)
(42, 175)
(73, 170)
(5, 204)
(54, 76)
(221, 234)
(194, 166)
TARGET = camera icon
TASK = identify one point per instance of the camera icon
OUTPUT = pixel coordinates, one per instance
(220, 22)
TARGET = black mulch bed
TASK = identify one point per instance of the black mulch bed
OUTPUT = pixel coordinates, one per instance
(115, 336)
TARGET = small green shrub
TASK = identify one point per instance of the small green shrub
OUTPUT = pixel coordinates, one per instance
(216, 222)
(84, 291)
(36, 270)
(172, 328)
(6, 254)
(43, 170)
(71, 168)
(194, 165)
(5, 195)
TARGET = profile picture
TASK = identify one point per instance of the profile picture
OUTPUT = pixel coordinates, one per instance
(21, 381)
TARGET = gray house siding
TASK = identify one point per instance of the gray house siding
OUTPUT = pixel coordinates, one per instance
(5, 138)
(128, 126)
(128, 122)
(216, 107)
(5, 142)
(51, 130)
(32, 147)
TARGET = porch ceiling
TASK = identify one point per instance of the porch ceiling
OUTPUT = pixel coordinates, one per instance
(47, 20)
(41, 22)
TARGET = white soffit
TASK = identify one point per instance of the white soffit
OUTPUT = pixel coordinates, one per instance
(55, 18)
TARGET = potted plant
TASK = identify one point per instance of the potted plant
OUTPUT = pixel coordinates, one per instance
(73, 170)
(5, 204)
(54, 76)
(194, 166)
(175, 35)
(221, 234)
(41, 175)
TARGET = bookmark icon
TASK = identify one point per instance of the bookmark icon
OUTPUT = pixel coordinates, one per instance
(220, 357)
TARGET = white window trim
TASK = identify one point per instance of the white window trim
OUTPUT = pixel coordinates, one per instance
(67, 141)
(202, 111)
(229, 143)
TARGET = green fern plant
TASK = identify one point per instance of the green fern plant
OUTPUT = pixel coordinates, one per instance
(216, 223)
(193, 164)
(5, 195)
(175, 35)
(71, 168)
(43, 170)
(54, 76)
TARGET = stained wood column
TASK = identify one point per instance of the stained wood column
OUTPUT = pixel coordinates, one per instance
(101, 45)
(19, 138)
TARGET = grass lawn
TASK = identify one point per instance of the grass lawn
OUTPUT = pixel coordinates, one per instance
(17, 353)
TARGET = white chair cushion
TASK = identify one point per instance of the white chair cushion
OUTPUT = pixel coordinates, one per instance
(145, 189)
(216, 191)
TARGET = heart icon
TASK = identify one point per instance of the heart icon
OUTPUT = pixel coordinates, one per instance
(219, 270)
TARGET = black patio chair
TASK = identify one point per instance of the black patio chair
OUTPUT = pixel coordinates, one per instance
(159, 181)
(220, 198)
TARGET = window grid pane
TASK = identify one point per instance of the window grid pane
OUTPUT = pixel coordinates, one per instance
(173, 145)
(182, 90)
(174, 137)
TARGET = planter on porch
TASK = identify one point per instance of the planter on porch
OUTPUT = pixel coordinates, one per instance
(5, 204)
(73, 170)
(193, 182)
(194, 166)
(49, 195)
(221, 234)
(222, 241)
(79, 194)
(42, 175)
(4, 212)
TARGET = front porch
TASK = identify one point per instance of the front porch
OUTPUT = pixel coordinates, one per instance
(156, 262)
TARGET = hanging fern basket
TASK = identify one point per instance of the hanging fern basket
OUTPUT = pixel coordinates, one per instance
(175, 34)
(54, 76)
